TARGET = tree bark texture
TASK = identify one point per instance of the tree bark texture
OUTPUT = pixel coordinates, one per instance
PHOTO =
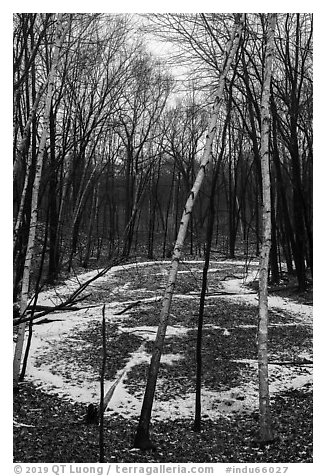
(266, 433)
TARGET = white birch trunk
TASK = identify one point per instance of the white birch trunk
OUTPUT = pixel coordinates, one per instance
(59, 36)
(266, 433)
(142, 436)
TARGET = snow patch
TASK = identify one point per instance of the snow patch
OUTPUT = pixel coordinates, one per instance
(84, 387)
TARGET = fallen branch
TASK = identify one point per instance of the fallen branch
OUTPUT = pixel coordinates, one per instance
(222, 293)
(231, 276)
(71, 300)
(127, 308)
(230, 294)
(109, 393)
(16, 423)
(302, 363)
(53, 308)
(47, 321)
(64, 306)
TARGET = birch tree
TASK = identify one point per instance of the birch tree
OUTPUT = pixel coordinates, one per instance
(266, 433)
(142, 439)
(59, 37)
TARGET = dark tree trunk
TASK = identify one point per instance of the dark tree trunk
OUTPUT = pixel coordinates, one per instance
(165, 251)
(273, 259)
(52, 204)
(209, 239)
(93, 211)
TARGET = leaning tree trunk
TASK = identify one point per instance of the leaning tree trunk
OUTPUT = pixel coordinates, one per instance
(59, 36)
(142, 439)
(266, 433)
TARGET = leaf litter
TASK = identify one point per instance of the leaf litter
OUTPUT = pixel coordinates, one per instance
(66, 355)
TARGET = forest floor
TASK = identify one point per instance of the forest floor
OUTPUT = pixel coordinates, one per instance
(66, 356)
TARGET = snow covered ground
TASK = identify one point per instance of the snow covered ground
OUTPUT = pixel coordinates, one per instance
(84, 386)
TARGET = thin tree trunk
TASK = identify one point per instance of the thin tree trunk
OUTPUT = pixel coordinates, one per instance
(289, 240)
(65, 180)
(19, 218)
(297, 196)
(23, 143)
(102, 381)
(257, 217)
(209, 238)
(266, 433)
(128, 234)
(166, 226)
(142, 439)
(77, 216)
(152, 209)
(94, 207)
(60, 33)
(231, 197)
(275, 272)
(52, 204)
(132, 213)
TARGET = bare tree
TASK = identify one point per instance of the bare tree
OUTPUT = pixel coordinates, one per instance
(266, 433)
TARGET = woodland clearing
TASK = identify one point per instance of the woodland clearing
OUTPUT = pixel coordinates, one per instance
(65, 359)
(119, 157)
